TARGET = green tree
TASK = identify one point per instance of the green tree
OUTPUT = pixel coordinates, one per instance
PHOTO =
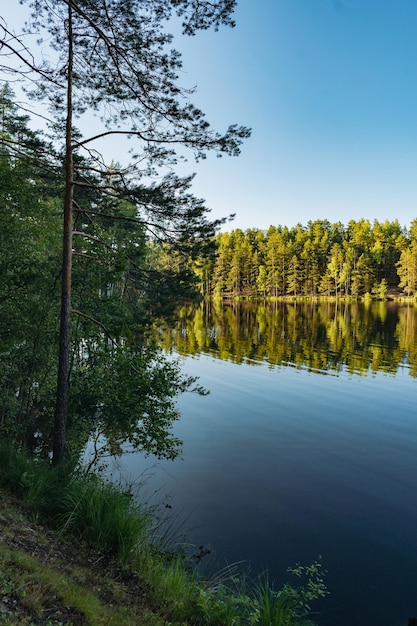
(262, 280)
(335, 267)
(294, 275)
(328, 258)
(277, 256)
(113, 58)
(407, 269)
(29, 255)
(382, 289)
(222, 265)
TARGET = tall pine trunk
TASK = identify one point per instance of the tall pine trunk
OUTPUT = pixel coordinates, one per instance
(61, 409)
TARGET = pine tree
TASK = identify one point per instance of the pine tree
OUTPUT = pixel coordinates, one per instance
(113, 58)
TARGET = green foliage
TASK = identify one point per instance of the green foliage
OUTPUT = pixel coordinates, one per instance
(407, 268)
(381, 289)
(32, 479)
(324, 258)
(115, 61)
(126, 395)
(290, 606)
(29, 241)
(75, 502)
(122, 386)
(278, 608)
(100, 513)
(40, 584)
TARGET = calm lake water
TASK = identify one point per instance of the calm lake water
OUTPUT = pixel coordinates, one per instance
(306, 446)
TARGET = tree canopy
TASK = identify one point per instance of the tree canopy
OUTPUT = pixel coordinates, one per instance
(317, 259)
(113, 59)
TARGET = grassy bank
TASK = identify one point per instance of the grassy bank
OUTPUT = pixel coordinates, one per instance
(76, 550)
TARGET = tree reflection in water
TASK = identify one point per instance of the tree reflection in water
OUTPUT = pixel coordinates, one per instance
(360, 337)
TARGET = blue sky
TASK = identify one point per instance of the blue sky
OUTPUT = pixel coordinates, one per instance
(329, 88)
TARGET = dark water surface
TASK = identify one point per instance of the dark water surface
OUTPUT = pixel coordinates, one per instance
(306, 446)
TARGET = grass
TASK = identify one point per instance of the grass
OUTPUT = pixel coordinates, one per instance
(75, 502)
(37, 583)
(113, 570)
(47, 579)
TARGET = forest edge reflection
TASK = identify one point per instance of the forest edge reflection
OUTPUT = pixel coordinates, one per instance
(323, 337)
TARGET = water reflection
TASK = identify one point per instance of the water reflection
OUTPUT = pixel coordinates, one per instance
(281, 465)
(324, 337)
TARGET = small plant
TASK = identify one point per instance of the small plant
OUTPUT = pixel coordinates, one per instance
(100, 513)
(276, 608)
(314, 586)
(72, 501)
(290, 606)
(7, 586)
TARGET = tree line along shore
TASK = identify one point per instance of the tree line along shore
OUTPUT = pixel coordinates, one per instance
(319, 259)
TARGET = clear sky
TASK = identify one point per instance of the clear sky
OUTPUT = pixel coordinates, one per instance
(329, 88)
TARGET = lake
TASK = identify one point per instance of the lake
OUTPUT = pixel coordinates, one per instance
(306, 446)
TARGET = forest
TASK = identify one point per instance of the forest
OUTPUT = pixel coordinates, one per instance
(81, 237)
(318, 259)
(120, 382)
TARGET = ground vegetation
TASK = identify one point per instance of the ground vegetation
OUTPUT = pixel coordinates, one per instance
(121, 568)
